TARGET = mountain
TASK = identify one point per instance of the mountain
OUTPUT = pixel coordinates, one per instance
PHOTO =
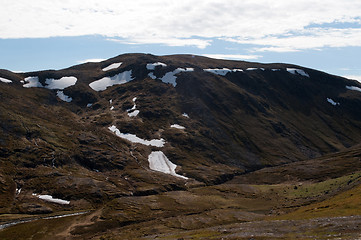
(111, 136)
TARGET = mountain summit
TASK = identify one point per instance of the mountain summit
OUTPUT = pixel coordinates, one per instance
(142, 125)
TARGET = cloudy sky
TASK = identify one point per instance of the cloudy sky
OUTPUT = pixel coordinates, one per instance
(43, 34)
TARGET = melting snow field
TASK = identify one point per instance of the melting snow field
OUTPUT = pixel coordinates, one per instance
(159, 162)
(62, 96)
(32, 82)
(112, 66)
(121, 78)
(332, 102)
(177, 126)
(151, 66)
(61, 83)
(170, 77)
(4, 80)
(51, 199)
(297, 71)
(51, 83)
(353, 88)
(222, 71)
(134, 139)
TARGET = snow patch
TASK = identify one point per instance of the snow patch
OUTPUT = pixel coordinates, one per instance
(51, 199)
(296, 71)
(151, 66)
(132, 112)
(18, 191)
(276, 69)
(32, 82)
(134, 139)
(170, 77)
(254, 69)
(177, 126)
(63, 97)
(89, 105)
(185, 115)
(222, 71)
(121, 78)
(112, 66)
(159, 162)
(61, 83)
(151, 75)
(353, 88)
(111, 108)
(332, 102)
(4, 80)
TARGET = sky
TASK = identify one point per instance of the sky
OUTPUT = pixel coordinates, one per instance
(42, 34)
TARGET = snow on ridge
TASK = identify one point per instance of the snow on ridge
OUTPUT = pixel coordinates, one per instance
(185, 115)
(170, 77)
(134, 139)
(62, 96)
(102, 84)
(353, 88)
(151, 66)
(297, 71)
(332, 102)
(4, 80)
(112, 66)
(222, 71)
(51, 199)
(159, 162)
(177, 126)
(61, 83)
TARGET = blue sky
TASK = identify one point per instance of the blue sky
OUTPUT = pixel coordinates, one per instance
(39, 34)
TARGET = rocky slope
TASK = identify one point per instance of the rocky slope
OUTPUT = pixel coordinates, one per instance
(98, 134)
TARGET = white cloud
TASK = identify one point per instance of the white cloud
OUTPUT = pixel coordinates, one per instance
(232, 56)
(274, 25)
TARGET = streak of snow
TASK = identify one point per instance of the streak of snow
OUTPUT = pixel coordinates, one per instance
(151, 75)
(112, 66)
(61, 83)
(133, 114)
(63, 97)
(159, 162)
(177, 126)
(110, 101)
(32, 82)
(151, 66)
(185, 115)
(276, 69)
(89, 105)
(121, 78)
(111, 108)
(297, 71)
(170, 77)
(222, 71)
(251, 69)
(4, 80)
(332, 102)
(51, 199)
(18, 191)
(353, 88)
(134, 139)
